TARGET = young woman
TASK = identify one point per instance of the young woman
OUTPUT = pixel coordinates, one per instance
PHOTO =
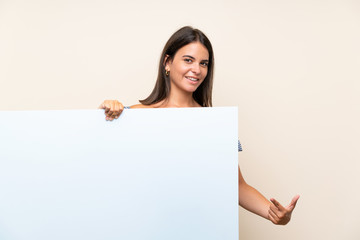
(185, 79)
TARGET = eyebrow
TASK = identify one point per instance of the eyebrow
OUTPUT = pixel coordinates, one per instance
(205, 60)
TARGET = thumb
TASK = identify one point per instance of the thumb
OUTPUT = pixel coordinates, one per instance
(102, 106)
(292, 205)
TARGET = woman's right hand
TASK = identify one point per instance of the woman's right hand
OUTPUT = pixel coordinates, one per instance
(113, 109)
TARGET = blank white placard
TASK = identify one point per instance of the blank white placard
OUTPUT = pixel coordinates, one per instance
(151, 174)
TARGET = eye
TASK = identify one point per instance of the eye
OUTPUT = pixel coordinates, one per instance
(188, 60)
(204, 64)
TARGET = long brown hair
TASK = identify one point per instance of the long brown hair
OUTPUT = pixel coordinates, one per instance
(182, 37)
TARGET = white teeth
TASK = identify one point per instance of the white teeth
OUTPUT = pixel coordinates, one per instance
(192, 79)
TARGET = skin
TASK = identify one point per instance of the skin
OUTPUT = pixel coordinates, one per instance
(190, 61)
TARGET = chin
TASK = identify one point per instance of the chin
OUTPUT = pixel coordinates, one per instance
(191, 90)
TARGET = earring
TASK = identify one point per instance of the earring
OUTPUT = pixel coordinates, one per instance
(167, 72)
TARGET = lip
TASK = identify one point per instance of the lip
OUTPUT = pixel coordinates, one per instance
(192, 81)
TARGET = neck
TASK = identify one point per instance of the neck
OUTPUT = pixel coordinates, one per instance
(180, 99)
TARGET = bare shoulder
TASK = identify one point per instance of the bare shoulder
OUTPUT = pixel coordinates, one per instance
(140, 106)
(155, 105)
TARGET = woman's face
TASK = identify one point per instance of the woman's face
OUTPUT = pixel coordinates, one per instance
(189, 67)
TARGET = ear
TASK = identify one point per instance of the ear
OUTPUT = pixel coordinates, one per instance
(166, 63)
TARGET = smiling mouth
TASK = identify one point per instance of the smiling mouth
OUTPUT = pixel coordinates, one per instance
(192, 79)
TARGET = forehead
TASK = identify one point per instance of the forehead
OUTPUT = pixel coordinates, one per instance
(194, 49)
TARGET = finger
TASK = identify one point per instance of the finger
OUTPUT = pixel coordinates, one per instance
(115, 108)
(109, 113)
(118, 109)
(106, 106)
(114, 114)
(273, 208)
(111, 106)
(277, 204)
(121, 106)
(278, 213)
(274, 216)
(118, 114)
(272, 219)
(292, 205)
(109, 109)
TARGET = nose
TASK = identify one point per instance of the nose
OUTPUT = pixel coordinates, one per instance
(196, 69)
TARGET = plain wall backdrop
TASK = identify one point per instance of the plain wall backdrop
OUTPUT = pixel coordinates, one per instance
(292, 68)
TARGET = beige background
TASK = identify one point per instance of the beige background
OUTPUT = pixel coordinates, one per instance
(292, 68)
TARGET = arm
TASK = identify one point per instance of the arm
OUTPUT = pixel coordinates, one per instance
(253, 201)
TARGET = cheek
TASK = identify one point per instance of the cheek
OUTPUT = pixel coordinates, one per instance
(183, 70)
(179, 69)
(205, 72)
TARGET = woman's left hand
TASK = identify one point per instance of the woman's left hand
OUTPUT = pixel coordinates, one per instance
(281, 215)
